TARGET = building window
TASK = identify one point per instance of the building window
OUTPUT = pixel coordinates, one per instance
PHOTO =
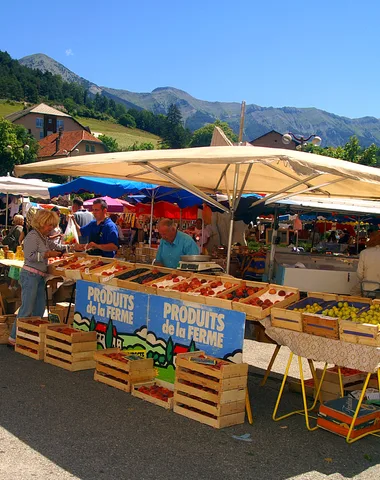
(60, 125)
(39, 122)
(41, 134)
(92, 148)
(87, 147)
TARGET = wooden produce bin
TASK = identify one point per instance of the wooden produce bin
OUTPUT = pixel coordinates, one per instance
(214, 395)
(326, 326)
(30, 337)
(258, 312)
(215, 300)
(291, 319)
(98, 275)
(100, 264)
(361, 333)
(57, 268)
(77, 265)
(166, 402)
(69, 348)
(6, 323)
(116, 369)
(125, 280)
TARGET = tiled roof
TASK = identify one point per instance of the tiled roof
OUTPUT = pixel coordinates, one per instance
(42, 108)
(68, 142)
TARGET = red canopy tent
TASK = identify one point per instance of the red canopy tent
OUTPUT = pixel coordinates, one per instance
(167, 210)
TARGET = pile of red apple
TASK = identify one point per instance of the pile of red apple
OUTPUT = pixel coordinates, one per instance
(117, 268)
(156, 391)
(241, 293)
(190, 286)
(268, 302)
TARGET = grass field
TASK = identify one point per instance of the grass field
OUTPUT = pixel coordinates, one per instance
(124, 136)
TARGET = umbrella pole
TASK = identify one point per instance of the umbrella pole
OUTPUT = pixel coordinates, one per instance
(232, 212)
(151, 221)
(273, 246)
(357, 237)
(180, 218)
(6, 212)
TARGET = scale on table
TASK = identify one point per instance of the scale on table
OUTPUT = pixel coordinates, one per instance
(200, 264)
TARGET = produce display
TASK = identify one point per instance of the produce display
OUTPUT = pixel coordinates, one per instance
(66, 330)
(207, 288)
(53, 259)
(37, 322)
(314, 308)
(132, 273)
(112, 270)
(342, 310)
(156, 391)
(149, 277)
(241, 293)
(169, 281)
(122, 357)
(79, 263)
(368, 316)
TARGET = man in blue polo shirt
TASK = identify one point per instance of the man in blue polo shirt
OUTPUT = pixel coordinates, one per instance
(173, 245)
(102, 232)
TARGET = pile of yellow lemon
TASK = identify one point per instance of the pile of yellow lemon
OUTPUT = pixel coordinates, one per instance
(370, 316)
(342, 310)
(309, 308)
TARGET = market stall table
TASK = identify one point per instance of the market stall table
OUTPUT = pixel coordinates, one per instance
(330, 351)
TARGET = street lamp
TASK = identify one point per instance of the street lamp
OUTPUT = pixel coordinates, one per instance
(288, 137)
(25, 147)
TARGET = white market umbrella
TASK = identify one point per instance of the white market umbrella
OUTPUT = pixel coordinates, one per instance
(232, 170)
(25, 187)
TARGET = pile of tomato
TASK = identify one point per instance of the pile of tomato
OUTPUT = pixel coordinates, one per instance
(156, 391)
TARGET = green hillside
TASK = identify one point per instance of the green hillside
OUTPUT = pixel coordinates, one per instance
(124, 136)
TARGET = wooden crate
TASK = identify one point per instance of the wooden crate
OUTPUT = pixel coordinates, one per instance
(100, 264)
(156, 401)
(256, 312)
(290, 319)
(119, 373)
(127, 283)
(320, 325)
(361, 333)
(211, 395)
(30, 338)
(76, 274)
(353, 299)
(70, 349)
(57, 268)
(96, 274)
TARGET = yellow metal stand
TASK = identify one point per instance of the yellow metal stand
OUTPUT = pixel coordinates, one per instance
(305, 410)
(352, 440)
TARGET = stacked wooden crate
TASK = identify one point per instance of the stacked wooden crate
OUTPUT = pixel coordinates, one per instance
(330, 390)
(212, 393)
(69, 348)
(30, 337)
(118, 369)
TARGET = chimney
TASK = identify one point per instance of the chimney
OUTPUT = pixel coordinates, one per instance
(58, 140)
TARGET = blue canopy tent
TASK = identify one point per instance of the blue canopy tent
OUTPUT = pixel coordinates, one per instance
(110, 187)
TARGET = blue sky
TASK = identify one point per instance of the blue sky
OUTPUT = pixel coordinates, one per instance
(306, 54)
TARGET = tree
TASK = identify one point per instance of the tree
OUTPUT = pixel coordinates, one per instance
(17, 147)
(139, 146)
(109, 334)
(92, 324)
(352, 150)
(370, 156)
(110, 143)
(202, 136)
(169, 351)
(174, 134)
(127, 121)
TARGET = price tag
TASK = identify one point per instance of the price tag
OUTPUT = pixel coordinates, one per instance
(86, 271)
(107, 279)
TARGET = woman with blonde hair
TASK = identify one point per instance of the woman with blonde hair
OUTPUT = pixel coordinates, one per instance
(38, 248)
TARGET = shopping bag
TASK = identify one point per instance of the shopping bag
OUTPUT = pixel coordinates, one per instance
(70, 237)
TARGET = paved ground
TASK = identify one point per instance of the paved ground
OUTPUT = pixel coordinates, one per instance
(60, 425)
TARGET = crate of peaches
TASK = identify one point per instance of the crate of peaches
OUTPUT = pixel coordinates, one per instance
(56, 265)
(203, 289)
(167, 286)
(259, 304)
(77, 265)
(104, 271)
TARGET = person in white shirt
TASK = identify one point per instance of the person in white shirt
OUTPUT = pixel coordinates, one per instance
(369, 264)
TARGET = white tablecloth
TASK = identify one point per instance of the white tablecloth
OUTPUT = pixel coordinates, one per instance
(320, 349)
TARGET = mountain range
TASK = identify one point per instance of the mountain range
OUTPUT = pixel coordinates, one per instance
(334, 130)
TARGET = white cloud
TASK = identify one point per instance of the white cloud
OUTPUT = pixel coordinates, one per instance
(69, 52)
